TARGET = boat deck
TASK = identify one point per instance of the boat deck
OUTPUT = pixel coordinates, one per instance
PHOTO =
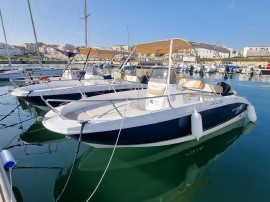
(129, 108)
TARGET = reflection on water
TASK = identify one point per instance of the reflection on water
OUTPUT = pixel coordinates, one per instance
(37, 134)
(257, 78)
(154, 174)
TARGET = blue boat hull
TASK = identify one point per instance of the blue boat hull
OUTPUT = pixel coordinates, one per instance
(38, 102)
(167, 130)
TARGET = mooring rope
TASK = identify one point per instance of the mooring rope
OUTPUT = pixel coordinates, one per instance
(75, 157)
(116, 142)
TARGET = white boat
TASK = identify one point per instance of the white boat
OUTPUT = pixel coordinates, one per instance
(92, 84)
(23, 71)
(251, 69)
(210, 68)
(171, 110)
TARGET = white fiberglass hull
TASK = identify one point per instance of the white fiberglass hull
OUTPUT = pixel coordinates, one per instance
(141, 127)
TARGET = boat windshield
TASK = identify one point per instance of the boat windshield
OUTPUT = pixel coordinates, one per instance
(92, 69)
(104, 69)
(130, 70)
(98, 69)
(160, 75)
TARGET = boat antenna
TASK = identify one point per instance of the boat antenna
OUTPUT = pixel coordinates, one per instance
(9, 59)
(34, 30)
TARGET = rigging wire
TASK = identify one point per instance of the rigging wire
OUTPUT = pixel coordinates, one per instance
(45, 24)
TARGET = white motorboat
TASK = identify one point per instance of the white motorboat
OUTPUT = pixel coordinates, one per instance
(251, 69)
(171, 110)
(75, 89)
(210, 68)
(75, 84)
(23, 71)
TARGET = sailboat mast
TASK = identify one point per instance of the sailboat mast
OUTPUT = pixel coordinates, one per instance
(9, 60)
(128, 36)
(85, 24)
(34, 30)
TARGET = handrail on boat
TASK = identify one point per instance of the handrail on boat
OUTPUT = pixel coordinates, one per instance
(12, 80)
(83, 96)
(112, 101)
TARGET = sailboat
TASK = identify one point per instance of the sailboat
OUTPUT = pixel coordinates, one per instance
(171, 110)
(7, 51)
(31, 71)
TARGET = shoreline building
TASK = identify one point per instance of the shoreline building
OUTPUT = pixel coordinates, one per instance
(12, 51)
(256, 51)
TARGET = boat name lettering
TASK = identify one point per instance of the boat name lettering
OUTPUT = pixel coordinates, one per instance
(216, 102)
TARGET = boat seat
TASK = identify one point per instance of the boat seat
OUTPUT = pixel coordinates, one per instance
(154, 89)
(182, 81)
(117, 75)
(212, 88)
(132, 78)
(194, 84)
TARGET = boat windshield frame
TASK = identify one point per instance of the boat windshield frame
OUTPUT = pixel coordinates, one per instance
(160, 75)
(130, 70)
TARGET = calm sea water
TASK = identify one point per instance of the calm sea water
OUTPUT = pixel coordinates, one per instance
(229, 165)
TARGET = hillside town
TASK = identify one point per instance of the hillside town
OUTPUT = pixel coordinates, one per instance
(201, 50)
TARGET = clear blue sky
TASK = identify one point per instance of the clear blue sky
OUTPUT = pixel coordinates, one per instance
(233, 23)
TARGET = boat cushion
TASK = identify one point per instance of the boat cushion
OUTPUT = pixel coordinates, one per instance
(194, 84)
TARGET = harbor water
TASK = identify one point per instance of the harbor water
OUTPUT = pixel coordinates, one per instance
(229, 165)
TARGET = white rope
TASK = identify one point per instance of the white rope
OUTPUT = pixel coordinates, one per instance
(116, 142)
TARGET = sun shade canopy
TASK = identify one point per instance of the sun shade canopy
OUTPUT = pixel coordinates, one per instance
(215, 48)
(100, 52)
(162, 47)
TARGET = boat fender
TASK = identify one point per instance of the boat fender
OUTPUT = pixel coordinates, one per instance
(7, 159)
(251, 113)
(196, 125)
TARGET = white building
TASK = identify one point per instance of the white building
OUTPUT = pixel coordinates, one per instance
(120, 48)
(12, 51)
(30, 47)
(257, 51)
(204, 50)
(66, 47)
